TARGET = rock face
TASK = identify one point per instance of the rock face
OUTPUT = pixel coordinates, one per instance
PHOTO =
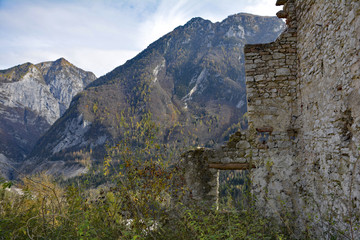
(192, 80)
(32, 98)
(64, 80)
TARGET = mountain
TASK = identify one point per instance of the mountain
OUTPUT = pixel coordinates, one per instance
(192, 80)
(32, 98)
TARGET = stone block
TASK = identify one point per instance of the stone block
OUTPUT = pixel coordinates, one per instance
(225, 160)
(265, 52)
(282, 72)
(241, 160)
(267, 57)
(249, 79)
(278, 55)
(250, 54)
(258, 61)
(250, 66)
(290, 62)
(259, 78)
(292, 39)
(243, 145)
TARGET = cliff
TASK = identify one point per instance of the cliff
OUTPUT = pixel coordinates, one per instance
(32, 98)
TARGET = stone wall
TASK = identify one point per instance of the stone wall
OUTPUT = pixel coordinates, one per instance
(202, 167)
(329, 102)
(271, 84)
(316, 114)
(304, 121)
(271, 80)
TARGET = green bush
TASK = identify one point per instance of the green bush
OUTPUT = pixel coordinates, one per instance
(135, 201)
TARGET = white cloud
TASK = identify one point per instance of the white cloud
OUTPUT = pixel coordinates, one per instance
(262, 7)
(167, 16)
(172, 13)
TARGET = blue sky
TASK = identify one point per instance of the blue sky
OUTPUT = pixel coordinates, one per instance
(99, 35)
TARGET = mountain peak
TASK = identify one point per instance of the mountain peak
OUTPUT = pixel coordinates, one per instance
(62, 61)
(197, 21)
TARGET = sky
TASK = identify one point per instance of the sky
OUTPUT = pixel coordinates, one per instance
(99, 35)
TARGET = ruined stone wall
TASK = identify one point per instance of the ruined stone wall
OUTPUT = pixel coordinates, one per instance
(271, 92)
(202, 167)
(303, 139)
(316, 113)
(271, 80)
(272, 86)
(328, 45)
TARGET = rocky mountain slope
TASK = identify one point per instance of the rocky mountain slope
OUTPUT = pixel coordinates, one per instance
(192, 80)
(32, 98)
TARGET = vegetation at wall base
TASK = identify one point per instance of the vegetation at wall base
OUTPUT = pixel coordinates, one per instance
(47, 211)
(140, 195)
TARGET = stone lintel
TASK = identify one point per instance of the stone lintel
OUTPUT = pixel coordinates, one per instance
(231, 166)
(280, 2)
(265, 129)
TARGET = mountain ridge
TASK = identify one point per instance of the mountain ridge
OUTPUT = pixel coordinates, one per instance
(192, 80)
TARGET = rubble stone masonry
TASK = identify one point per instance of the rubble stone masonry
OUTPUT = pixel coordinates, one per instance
(303, 94)
(306, 87)
(272, 93)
